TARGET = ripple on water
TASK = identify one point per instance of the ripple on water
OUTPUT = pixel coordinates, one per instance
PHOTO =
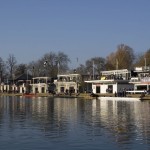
(46, 123)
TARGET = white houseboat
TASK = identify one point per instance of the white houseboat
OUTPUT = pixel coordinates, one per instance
(141, 80)
(16, 85)
(40, 84)
(67, 83)
(113, 81)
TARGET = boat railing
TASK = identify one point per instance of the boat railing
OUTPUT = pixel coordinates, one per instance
(135, 79)
(136, 91)
(145, 79)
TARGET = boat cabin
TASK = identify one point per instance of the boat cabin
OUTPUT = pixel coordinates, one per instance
(40, 84)
(113, 81)
(141, 80)
(68, 83)
(16, 85)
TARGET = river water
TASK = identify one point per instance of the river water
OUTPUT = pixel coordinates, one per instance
(73, 124)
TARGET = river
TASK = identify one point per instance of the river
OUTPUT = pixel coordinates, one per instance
(43, 123)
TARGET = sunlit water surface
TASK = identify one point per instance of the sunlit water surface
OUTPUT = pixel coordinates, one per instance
(70, 124)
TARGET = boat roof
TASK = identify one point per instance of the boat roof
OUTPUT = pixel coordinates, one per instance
(67, 75)
(108, 81)
(41, 78)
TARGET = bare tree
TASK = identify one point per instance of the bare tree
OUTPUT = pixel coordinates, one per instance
(123, 58)
(62, 60)
(11, 63)
(2, 69)
(34, 68)
(81, 69)
(111, 62)
(20, 69)
(143, 59)
(147, 58)
(55, 63)
(50, 64)
(95, 65)
(139, 60)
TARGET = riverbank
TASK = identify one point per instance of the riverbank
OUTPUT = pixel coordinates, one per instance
(81, 95)
(145, 97)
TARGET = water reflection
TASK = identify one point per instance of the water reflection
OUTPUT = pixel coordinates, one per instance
(79, 123)
(127, 121)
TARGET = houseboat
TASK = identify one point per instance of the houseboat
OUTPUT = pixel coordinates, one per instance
(114, 81)
(67, 83)
(19, 84)
(40, 84)
(141, 80)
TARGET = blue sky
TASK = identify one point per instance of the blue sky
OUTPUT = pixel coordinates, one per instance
(80, 28)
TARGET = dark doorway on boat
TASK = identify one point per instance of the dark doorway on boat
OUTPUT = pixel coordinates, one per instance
(110, 88)
(51, 88)
(62, 89)
(97, 89)
(71, 89)
(36, 90)
(22, 90)
(43, 90)
(142, 87)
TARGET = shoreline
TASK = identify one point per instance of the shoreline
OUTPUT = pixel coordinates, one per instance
(81, 95)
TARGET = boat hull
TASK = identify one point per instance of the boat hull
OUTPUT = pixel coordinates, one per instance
(119, 98)
(29, 95)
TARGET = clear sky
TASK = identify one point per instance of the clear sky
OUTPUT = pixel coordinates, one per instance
(80, 28)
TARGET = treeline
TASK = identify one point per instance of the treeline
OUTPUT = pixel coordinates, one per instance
(50, 64)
